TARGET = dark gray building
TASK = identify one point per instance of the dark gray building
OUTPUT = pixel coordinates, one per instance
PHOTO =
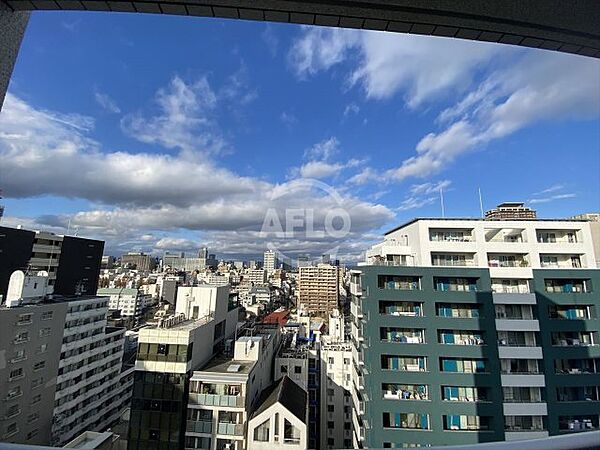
(73, 263)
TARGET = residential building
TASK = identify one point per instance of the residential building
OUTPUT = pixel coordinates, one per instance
(270, 261)
(336, 393)
(65, 374)
(280, 420)
(511, 211)
(223, 394)
(594, 220)
(476, 330)
(318, 290)
(107, 262)
(129, 301)
(72, 263)
(139, 261)
(255, 276)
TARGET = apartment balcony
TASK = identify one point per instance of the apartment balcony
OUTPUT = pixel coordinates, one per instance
(508, 260)
(193, 426)
(522, 379)
(557, 236)
(233, 401)
(401, 309)
(402, 335)
(505, 235)
(559, 261)
(453, 259)
(451, 235)
(230, 429)
(573, 339)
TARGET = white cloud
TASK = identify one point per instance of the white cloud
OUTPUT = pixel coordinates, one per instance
(351, 109)
(320, 169)
(288, 118)
(270, 39)
(539, 86)
(423, 194)
(323, 150)
(533, 86)
(137, 198)
(320, 48)
(551, 198)
(422, 67)
(183, 119)
(107, 103)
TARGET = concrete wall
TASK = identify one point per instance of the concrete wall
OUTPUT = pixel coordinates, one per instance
(12, 29)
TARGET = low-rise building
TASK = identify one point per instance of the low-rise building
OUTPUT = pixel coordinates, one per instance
(281, 418)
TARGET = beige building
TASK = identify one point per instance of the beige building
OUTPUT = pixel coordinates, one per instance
(318, 288)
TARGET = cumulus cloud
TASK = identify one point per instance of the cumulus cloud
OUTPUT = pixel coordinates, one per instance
(141, 198)
(182, 118)
(532, 86)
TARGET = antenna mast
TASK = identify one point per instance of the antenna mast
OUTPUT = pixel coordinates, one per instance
(442, 202)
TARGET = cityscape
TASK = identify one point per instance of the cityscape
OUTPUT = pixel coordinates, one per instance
(307, 225)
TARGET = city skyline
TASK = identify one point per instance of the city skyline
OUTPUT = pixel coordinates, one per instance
(191, 148)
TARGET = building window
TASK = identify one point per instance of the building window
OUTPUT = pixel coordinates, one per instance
(24, 319)
(153, 435)
(14, 392)
(330, 408)
(15, 373)
(261, 432)
(33, 417)
(284, 368)
(291, 434)
(298, 369)
(406, 420)
(42, 349)
(330, 360)
(330, 425)
(37, 382)
(39, 365)
(44, 332)
(36, 399)
(32, 434)
(47, 315)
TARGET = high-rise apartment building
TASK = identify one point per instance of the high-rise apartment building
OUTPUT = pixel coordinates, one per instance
(64, 374)
(511, 211)
(72, 263)
(318, 290)
(270, 261)
(470, 331)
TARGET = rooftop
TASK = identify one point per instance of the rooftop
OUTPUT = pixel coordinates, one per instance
(287, 393)
(225, 364)
(477, 219)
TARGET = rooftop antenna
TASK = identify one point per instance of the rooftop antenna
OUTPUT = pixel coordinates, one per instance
(480, 202)
(442, 202)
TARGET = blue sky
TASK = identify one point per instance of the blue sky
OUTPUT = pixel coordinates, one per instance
(169, 133)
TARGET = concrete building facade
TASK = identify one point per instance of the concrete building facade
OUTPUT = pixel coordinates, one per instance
(470, 331)
(318, 288)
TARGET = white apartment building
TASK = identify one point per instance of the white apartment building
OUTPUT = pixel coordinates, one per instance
(91, 390)
(270, 261)
(509, 248)
(129, 301)
(67, 360)
(224, 393)
(255, 276)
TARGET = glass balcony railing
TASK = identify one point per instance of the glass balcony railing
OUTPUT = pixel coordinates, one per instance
(217, 400)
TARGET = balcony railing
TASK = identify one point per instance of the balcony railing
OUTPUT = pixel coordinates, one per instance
(236, 401)
(230, 429)
(199, 426)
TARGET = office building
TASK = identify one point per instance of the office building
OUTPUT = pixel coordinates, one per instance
(280, 420)
(138, 261)
(72, 263)
(318, 290)
(270, 261)
(223, 394)
(511, 211)
(65, 373)
(168, 352)
(471, 331)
